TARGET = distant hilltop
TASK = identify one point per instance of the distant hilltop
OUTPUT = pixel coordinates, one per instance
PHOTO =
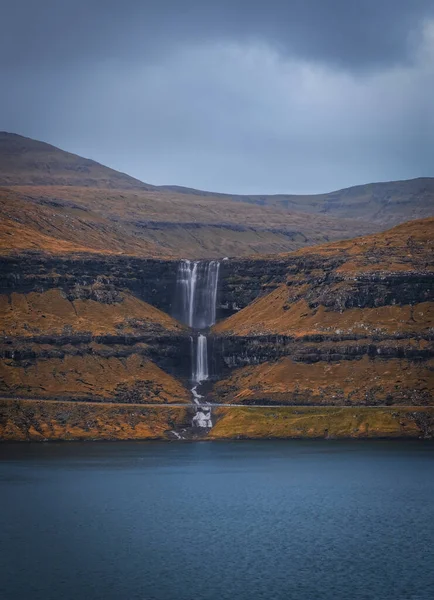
(58, 201)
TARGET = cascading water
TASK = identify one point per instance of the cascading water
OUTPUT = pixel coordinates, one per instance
(195, 305)
(201, 363)
(196, 293)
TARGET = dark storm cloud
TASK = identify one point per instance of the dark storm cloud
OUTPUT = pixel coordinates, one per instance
(358, 33)
(230, 95)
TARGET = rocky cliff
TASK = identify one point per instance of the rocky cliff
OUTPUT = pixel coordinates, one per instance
(345, 326)
(91, 342)
(346, 323)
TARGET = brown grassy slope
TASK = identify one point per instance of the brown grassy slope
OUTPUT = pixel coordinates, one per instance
(323, 422)
(385, 203)
(78, 201)
(276, 314)
(404, 247)
(83, 203)
(17, 237)
(36, 420)
(290, 308)
(24, 161)
(136, 206)
(26, 225)
(364, 381)
(28, 161)
(134, 378)
(65, 370)
(52, 313)
(155, 223)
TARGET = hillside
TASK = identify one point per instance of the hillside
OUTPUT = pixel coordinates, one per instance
(60, 226)
(92, 342)
(340, 326)
(155, 224)
(385, 203)
(348, 286)
(353, 322)
(24, 161)
(320, 333)
(55, 201)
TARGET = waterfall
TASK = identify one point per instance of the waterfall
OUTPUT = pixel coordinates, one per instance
(185, 291)
(200, 373)
(195, 306)
(196, 293)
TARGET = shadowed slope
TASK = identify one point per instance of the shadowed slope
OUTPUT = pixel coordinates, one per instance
(30, 162)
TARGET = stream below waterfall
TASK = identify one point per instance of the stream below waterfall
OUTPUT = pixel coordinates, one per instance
(195, 306)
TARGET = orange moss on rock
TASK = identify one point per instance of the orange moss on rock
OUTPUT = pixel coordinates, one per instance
(134, 378)
(364, 381)
(39, 420)
(336, 276)
(51, 312)
(277, 314)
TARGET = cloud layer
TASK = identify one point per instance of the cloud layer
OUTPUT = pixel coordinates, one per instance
(231, 96)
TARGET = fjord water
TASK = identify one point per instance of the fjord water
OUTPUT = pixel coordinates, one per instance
(212, 521)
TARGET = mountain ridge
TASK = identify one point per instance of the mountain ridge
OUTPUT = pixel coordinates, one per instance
(321, 203)
(54, 166)
(88, 207)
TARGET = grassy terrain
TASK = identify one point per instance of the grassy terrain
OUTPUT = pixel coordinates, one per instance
(353, 297)
(404, 249)
(37, 163)
(132, 378)
(55, 201)
(37, 420)
(319, 422)
(156, 224)
(386, 203)
(356, 382)
(51, 312)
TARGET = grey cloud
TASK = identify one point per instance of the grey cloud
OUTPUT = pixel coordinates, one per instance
(239, 119)
(301, 96)
(348, 33)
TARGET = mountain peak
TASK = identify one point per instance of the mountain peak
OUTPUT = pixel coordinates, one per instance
(25, 161)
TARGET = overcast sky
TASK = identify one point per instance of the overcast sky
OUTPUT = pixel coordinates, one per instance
(242, 96)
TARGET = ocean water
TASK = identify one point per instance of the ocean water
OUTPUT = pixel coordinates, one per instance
(217, 520)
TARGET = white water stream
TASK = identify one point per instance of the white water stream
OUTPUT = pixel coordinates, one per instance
(196, 299)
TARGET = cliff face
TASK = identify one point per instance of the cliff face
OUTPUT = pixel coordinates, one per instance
(346, 326)
(86, 276)
(348, 323)
(91, 342)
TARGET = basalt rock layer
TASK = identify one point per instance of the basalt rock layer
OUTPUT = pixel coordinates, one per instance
(346, 323)
(346, 326)
(99, 345)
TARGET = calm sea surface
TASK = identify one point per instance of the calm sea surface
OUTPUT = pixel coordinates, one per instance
(199, 521)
